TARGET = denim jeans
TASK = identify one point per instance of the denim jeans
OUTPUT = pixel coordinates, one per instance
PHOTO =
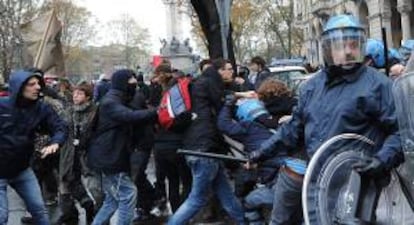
(254, 201)
(208, 175)
(27, 187)
(287, 207)
(177, 173)
(120, 194)
(138, 163)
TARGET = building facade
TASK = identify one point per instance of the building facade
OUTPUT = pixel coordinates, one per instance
(397, 16)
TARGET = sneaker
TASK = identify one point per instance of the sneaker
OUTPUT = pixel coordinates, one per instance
(27, 219)
(141, 215)
(50, 202)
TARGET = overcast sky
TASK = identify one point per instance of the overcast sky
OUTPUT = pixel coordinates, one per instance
(148, 13)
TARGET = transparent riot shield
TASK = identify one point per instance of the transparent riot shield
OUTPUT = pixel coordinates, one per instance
(329, 180)
(403, 91)
(396, 204)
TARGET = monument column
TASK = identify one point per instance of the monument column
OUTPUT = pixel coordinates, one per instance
(174, 20)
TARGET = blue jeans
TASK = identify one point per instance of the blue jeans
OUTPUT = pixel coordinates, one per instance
(208, 175)
(254, 201)
(27, 187)
(120, 194)
(287, 205)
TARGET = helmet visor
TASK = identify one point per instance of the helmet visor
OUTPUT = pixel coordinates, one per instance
(343, 47)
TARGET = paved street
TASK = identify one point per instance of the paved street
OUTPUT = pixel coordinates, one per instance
(17, 209)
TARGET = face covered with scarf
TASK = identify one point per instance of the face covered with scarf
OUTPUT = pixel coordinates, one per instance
(124, 80)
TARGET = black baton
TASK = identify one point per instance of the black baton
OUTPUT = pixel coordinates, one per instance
(212, 155)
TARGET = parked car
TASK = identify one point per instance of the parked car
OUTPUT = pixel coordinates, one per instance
(293, 76)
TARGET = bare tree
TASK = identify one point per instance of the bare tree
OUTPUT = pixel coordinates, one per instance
(245, 17)
(12, 14)
(279, 20)
(125, 31)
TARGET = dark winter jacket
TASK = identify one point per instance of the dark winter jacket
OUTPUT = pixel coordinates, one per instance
(111, 145)
(155, 94)
(143, 133)
(101, 88)
(261, 76)
(251, 134)
(207, 94)
(18, 126)
(361, 102)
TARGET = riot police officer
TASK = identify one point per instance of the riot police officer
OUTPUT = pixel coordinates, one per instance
(344, 97)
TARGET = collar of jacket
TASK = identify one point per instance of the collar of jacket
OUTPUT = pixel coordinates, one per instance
(118, 94)
(349, 78)
(82, 107)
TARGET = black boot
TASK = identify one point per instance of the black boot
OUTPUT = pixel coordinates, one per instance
(68, 212)
(90, 211)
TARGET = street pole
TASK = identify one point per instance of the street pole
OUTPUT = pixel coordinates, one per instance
(385, 41)
(223, 9)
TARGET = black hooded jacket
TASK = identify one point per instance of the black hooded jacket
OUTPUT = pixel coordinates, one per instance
(110, 147)
(207, 95)
(19, 124)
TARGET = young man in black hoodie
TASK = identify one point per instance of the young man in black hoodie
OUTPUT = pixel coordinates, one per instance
(21, 115)
(109, 150)
(207, 93)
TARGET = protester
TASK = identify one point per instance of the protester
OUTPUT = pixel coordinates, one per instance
(73, 159)
(143, 141)
(102, 87)
(208, 174)
(166, 144)
(22, 114)
(109, 149)
(259, 71)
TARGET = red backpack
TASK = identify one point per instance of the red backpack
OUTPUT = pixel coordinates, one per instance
(175, 106)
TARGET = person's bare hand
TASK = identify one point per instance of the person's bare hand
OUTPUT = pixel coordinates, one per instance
(284, 119)
(250, 166)
(239, 80)
(246, 94)
(50, 149)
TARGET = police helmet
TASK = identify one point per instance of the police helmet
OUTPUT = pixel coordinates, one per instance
(374, 50)
(394, 56)
(406, 48)
(343, 41)
(250, 109)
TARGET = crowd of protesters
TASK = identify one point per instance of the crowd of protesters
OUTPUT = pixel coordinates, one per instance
(62, 144)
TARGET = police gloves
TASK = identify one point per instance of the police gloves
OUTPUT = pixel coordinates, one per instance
(371, 166)
(255, 156)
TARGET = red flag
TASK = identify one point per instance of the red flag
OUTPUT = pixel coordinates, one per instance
(156, 60)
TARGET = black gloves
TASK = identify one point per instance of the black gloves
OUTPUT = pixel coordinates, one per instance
(255, 156)
(229, 100)
(371, 166)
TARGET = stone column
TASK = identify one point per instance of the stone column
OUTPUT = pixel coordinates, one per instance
(380, 15)
(173, 19)
(405, 8)
(386, 21)
(374, 19)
